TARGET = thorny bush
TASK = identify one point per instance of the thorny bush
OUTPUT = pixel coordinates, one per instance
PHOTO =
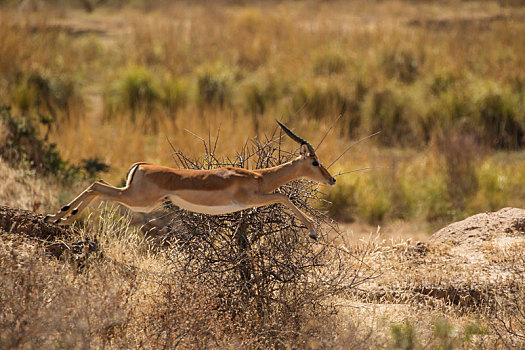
(253, 277)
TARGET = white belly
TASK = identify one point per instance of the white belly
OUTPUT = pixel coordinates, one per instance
(143, 209)
(205, 209)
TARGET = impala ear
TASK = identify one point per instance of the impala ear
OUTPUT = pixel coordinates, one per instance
(305, 151)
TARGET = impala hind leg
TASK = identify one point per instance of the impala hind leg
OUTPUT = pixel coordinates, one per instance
(272, 198)
(69, 212)
(73, 215)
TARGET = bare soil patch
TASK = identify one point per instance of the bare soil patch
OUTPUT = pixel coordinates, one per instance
(25, 222)
(24, 228)
(464, 264)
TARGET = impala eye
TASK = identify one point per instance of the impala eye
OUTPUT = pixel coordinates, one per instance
(315, 163)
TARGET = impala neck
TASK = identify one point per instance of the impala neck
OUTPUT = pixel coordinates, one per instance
(273, 178)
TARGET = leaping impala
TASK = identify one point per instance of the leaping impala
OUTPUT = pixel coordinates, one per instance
(216, 191)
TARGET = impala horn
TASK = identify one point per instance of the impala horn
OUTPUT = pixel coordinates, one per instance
(296, 138)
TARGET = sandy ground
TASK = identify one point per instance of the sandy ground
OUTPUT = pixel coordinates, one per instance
(392, 232)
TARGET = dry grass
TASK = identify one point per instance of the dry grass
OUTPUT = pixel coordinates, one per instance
(253, 279)
(22, 189)
(133, 294)
(115, 83)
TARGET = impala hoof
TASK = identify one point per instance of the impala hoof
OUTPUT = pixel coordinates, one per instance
(313, 235)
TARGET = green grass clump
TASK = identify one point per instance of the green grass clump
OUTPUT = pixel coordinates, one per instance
(176, 94)
(500, 179)
(374, 200)
(139, 89)
(445, 335)
(402, 65)
(423, 186)
(344, 201)
(403, 336)
(260, 95)
(319, 99)
(502, 121)
(215, 86)
(387, 110)
(39, 94)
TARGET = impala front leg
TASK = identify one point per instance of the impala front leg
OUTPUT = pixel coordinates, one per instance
(272, 198)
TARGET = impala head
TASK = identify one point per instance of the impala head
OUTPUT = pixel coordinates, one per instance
(311, 166)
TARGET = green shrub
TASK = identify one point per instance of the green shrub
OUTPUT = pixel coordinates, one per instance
(42, 95)
(374, 203)
(402, 65)
(449, 337)
(403, 336)
(424, 188)
(319, 99)
(388, 111)
(259, 96)
(22, 145)
(445, 335)
(444, 332)
(458, 108)
(93, 166)
(503, 125)
(176, 94)
(255, 99)
(441, 83)
(24, 97)
(494, 187)
(461, 153)
(343, 200)
(215, 86)
(368, 197)
(138, 89)
(490, 113)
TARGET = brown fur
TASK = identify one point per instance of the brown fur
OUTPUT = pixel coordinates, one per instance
(189, 179)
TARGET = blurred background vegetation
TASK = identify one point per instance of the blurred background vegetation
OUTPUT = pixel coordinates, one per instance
(105, 82)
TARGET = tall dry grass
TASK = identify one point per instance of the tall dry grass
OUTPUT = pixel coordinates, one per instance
(251, 280)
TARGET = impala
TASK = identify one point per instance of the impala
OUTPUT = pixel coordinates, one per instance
(216, 191)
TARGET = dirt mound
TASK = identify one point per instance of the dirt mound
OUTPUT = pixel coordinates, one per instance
(504, 226)
(466, 263)
(485, 244)
(26, 222)
(27, 229)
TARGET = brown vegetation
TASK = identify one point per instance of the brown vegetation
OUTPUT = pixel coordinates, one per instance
(208, 288)
(253, 278)
(442, 81)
